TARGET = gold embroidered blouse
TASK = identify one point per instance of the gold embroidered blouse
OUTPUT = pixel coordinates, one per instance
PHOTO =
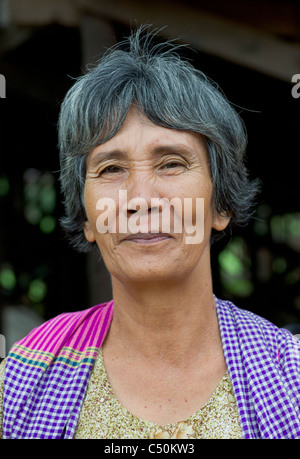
(102, 416)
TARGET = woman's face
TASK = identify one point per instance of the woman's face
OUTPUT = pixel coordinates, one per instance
(142, 186)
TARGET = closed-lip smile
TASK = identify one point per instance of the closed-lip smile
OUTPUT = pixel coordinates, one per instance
(147, 238)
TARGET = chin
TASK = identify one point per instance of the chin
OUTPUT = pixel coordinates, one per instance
(154, 271)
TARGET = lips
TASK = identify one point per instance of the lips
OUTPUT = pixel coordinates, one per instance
(147, 237)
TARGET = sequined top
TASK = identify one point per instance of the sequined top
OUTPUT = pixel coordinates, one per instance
(102, 416)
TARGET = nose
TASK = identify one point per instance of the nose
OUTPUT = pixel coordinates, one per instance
(141, 188)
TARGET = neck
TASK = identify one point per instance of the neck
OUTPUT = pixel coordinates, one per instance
(165, 320)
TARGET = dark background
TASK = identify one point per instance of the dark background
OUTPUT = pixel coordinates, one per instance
(257, 267)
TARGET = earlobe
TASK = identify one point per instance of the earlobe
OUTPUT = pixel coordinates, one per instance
(89, 234)
(221, 221)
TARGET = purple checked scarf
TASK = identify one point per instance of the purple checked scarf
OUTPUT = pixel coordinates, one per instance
(47, 373)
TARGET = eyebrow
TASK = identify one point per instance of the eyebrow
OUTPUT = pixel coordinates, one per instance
(157, 151)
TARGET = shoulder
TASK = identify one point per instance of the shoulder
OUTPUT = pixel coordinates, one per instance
(57, 330)
(254, 329)
(243, 317)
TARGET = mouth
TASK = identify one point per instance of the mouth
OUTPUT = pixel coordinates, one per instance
(147, 238)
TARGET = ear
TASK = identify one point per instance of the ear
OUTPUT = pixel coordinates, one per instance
(88, 232)
(221, 221)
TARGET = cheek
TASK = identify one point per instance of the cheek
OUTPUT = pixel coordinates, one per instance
(96, 201)
(88, 201)
(197, 197)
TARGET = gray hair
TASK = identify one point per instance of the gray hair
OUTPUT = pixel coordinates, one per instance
(171, 93)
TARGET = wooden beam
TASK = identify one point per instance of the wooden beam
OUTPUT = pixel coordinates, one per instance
(41, 12)
(4, 13)
(96, 36)
(280, 18)
(240, 44)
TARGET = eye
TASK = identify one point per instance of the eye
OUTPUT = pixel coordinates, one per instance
(111, 170)
(173, 164)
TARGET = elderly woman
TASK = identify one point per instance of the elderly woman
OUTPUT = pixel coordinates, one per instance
(152, 170)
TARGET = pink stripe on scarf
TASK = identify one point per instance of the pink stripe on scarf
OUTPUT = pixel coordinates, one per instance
(77, 330)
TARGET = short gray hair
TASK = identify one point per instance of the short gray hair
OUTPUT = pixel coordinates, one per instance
(171, 93)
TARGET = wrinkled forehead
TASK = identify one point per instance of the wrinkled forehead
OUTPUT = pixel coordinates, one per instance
(141, 138)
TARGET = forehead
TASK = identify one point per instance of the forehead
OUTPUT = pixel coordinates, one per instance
(140, 137)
